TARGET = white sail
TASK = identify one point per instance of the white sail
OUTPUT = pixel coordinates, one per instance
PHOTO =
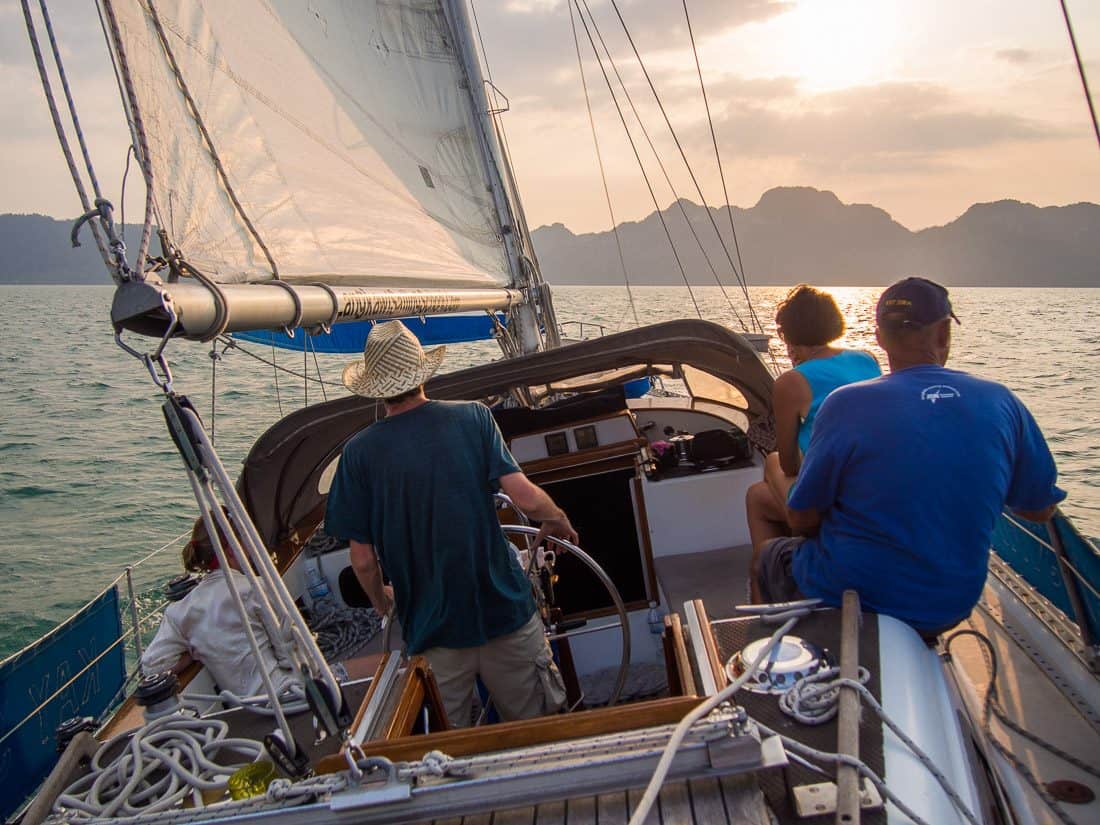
(346, 135)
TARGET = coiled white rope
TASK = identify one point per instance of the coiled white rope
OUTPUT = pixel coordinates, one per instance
(814, 699)
(163, 763)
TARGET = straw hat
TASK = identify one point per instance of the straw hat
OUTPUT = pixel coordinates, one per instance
(393, 363)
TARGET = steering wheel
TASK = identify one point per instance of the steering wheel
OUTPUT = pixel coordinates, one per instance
(605, 580)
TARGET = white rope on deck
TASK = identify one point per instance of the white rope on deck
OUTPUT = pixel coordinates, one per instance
(165, 762)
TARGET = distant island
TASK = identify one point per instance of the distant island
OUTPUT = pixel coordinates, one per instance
(792, 234)
(799, 234)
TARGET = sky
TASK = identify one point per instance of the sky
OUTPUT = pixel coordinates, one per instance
(920, 107)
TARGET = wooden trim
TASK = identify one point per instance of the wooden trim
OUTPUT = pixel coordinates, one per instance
(291, 547)
(541, 731)
(675, 634)
(646, 546)
(583, 458)
(371, 689)
(716, 664)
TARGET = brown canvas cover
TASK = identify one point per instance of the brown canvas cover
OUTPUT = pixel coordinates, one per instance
(280, 480)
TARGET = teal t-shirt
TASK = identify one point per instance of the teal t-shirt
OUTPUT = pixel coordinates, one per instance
(418, 486)
(826, 374)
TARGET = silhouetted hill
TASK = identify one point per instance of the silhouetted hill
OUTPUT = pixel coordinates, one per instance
(792, 234)
(799, 234)
(35, 249)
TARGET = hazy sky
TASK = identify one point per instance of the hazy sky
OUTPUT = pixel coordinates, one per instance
(921, 107)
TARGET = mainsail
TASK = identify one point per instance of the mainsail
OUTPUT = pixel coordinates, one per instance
(337, 135)
(341, 152)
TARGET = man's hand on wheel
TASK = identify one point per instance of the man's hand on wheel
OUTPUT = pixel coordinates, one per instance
(558, 527)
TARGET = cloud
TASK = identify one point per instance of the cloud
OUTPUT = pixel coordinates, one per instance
(873, 129)
(1017, 57)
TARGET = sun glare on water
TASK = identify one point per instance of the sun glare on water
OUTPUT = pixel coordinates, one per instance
(834, 44)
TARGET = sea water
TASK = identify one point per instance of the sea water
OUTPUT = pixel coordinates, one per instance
(90, 481)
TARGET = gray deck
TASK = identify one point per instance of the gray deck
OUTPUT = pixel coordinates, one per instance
(726, 801)
(719, 577)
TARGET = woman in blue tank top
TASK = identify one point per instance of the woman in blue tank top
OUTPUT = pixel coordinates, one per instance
(808, 321)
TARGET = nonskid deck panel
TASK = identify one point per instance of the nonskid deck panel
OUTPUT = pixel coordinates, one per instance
(821, 627)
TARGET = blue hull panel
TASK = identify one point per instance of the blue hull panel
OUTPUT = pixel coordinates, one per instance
(31, 676)
(442, 329)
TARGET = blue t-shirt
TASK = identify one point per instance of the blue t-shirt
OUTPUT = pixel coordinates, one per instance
(826, 374)
(910, 473)
(418, 487)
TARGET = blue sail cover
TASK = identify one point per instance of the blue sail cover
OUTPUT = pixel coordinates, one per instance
(434, 330)
(1036, 562)
(28, 679)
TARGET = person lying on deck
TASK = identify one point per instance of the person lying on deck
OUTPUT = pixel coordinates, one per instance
(906, 476)
(808, 322)
(205, 627)
(413, 495)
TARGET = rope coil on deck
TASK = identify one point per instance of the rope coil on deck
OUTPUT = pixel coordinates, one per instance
(163, 763)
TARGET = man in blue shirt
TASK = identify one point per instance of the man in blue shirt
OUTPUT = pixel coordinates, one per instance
(906, 476)
(413, 495)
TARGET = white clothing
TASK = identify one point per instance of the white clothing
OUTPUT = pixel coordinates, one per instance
(206, 624)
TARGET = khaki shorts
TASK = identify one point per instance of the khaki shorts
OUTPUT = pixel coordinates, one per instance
(518, 669)
(774, 577)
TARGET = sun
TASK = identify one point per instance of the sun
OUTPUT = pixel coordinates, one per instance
(835, 44)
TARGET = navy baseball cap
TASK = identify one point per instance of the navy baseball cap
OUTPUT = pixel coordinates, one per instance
(913, 302)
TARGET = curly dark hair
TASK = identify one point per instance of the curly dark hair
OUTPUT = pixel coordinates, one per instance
(809, 317)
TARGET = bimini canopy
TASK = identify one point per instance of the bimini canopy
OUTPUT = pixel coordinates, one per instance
(282, 483)
(327, 141)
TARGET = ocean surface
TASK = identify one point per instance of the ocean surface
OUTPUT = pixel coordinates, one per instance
(90, 482)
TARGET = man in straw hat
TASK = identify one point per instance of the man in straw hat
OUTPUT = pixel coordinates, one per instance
(906, 476)
(412, 494)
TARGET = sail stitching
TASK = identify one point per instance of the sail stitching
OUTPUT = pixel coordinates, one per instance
(211, 149)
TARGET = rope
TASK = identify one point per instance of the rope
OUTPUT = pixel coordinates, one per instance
(638, 158)
(340, 630)
(815, 699)
(1081, 72)
(138, 132)
(316, 365)
(78, 181)
(992, 708)
(664, 171)
(603, 174)
(165, 762)
(665, 762)
(275, 372)
(721, 173)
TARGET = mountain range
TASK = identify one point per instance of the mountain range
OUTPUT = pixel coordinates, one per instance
(799, 234)
(792, 235)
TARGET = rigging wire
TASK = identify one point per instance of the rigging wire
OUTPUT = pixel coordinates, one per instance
(638, 158)
(1081, 71)
(718, 162)
(317, 366)
(66, 149)
(232, 343)
(603, 174)
(660, 165)
(275, 371)
(660, 105)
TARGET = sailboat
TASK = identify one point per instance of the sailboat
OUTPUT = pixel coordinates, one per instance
(310, 165)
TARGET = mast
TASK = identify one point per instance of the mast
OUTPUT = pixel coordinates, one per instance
(536, 305)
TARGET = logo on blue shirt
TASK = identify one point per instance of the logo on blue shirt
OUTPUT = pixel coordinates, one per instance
(937, 392)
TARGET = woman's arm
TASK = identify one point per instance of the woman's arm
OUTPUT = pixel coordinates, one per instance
(791, 397)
